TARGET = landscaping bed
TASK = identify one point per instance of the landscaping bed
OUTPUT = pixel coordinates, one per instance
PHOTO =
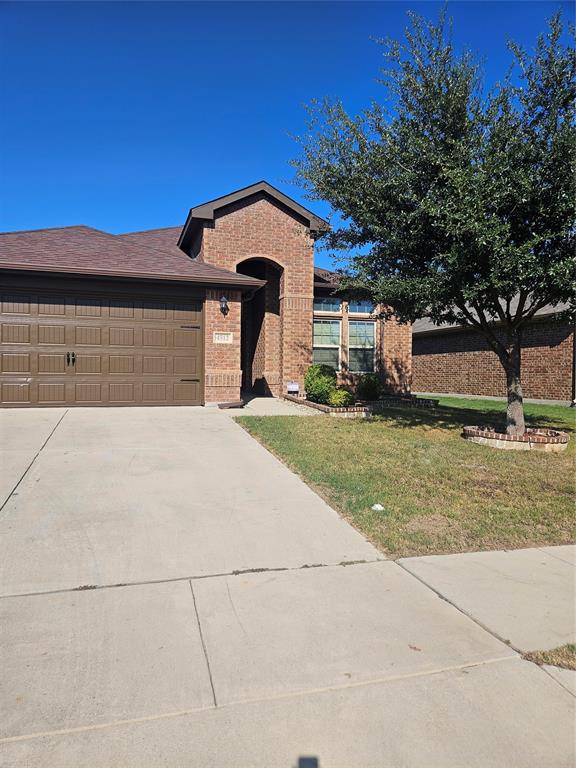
(439, 493)
(365, 409)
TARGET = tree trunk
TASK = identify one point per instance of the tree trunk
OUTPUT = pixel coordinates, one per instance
(515, 411)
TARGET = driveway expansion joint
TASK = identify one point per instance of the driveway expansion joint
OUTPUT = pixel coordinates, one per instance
(29, 467)
(176, 579)
(204, 649)
(468, 615)
(243, 702)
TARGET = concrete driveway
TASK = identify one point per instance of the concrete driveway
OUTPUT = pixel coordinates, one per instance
(171, 595)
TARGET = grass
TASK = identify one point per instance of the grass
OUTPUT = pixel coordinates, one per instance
(440, 493)
(564, 656)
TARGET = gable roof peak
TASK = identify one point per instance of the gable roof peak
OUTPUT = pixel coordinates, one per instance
(206, 211)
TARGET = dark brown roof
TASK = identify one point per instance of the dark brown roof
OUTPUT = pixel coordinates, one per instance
(84, 250)
(325, 278)
(206, 211)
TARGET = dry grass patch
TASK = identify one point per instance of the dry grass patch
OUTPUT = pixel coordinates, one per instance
(439, 492)
(564, 656)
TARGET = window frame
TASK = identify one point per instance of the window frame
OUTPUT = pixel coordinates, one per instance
(361, 312)
(337, 346)
(324, 311)
(356, 346)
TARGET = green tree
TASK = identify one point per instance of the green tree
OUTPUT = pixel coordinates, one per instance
(458, 206)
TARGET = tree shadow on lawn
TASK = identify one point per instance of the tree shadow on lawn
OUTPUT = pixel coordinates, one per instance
(445, 417)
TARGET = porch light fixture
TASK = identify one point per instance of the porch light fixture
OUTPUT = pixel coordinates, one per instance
(224, 308)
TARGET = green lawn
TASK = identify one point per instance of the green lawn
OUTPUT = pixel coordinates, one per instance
(439, 492)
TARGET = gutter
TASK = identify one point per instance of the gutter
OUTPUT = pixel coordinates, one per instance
(249, 284)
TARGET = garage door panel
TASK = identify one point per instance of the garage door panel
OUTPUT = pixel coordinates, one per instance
(119, 310)
(186, 365)
(120, 364)
(122, 393)
(51, 305)
(15, 333)
(15, 305)
(186, 391)
(88, 335)
(52, 363)
(88, 364)
(154, 337)
(88, 307)
(155, 365)
(121, 337)
(15, 362)
(87, 349)
(51, 334)
(16, 393)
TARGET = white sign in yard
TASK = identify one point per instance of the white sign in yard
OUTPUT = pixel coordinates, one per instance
(223, 338)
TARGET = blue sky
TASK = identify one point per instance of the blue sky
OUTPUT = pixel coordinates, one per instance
(124, 115)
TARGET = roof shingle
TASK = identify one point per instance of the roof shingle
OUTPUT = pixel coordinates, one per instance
(84, 250)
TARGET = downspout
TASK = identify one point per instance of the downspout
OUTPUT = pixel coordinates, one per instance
(573, 403)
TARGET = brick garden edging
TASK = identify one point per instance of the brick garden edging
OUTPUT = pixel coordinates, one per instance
(364, 410)
(547, 440)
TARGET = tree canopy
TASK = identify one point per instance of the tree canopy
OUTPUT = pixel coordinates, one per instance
(456, 204)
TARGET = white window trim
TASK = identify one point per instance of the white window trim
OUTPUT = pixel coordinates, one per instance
(329, 346)
(336, 312)
(355, 346)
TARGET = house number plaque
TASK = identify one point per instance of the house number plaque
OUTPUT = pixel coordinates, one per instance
(223, 338)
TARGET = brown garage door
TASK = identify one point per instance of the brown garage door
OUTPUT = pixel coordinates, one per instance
(90, 348)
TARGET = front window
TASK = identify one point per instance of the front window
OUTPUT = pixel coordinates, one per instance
(360, 346)
(326, 345)
(326, 304)
(357, 306)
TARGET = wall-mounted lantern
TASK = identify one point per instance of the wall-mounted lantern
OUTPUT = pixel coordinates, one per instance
(224, 308)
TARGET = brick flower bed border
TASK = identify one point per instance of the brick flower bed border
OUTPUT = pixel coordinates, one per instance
(363, 410)
(547, 440)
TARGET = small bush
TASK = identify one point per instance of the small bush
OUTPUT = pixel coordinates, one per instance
(369, 387)
(319, 383)
(341, 398)
(319, 370)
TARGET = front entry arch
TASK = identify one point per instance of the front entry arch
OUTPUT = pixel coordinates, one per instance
(261, 329)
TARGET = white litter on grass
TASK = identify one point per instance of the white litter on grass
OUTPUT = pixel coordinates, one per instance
(377, 508)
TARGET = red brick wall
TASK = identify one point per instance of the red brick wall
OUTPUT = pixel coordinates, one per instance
(258, 228)
(222, 361)
(462, 362)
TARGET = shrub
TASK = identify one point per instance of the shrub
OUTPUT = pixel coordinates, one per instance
(369, 387)
(319, 383)
(341, 398)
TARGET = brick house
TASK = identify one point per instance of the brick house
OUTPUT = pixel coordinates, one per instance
(188, 315)
(455, 359)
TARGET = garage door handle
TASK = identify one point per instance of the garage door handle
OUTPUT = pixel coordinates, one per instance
(67, 358)
(189, 379)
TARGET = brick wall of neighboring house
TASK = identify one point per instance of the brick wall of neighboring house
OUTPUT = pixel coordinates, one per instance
(461, 362)
(259, 228)
(222, 361)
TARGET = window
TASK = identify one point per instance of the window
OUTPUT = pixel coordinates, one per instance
(361, 346)
(360, 305)
(326, 304)
(327, 342)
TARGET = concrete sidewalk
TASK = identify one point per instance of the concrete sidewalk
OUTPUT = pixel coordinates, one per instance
(173, 596)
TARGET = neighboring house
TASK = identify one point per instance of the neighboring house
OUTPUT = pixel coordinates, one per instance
(456, 359)
(182, 316)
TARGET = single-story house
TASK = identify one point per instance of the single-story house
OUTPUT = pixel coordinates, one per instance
(228, 303)
(456, 359)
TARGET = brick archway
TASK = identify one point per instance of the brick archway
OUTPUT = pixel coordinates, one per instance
(261, 329)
